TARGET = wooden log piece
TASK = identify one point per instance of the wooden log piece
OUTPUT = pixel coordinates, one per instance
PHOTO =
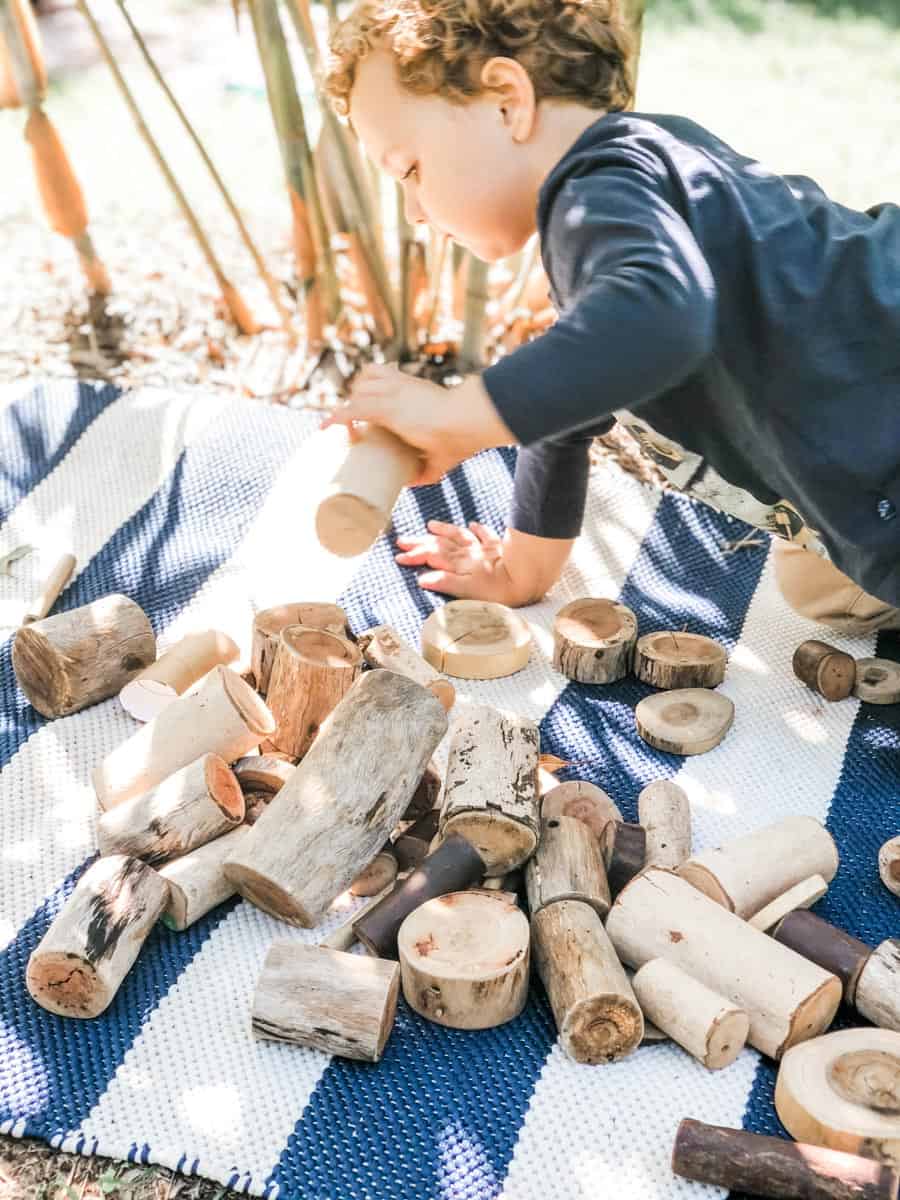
(665, 813)
(326, 1000)
(222, 717)
(583, 801)
(413, 844)
(343, 936)
(593, 640)
(269, 623)
(193, 806)
(360, 498)
(596, 1011)
(566, 866)
(312, 672)
(375, 877)
(787, 998)
(339, 806)
(263, 772)
(382, 646)
(490, 793)
(712, 1029)
(833, 949)
(51, 589)
(464, 960)
(76, 658)
(197, 883)
(843, 1091)
(476, 639)
(425, 797)
(686, 721)
(802, 895)
(255, 804)
(154, 688)
(679, 660)
(452, 867)
(747, 873)
(825, 669)
(80, 962)
(770, 1166)
(624, 850)
(889, 865)
(877, 681)
(878, 987)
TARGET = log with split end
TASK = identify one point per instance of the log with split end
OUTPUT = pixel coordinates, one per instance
(583, 801)
(712, 1029)
(567, 865)
(679, 660)
(269, 623)
(382, 646)
(825, 669)
(686, 721)
(593, 640)
(312, 672)
(197, 882)
(174, 671)
(476, 639)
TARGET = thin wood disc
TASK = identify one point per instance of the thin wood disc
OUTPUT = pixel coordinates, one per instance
(877, 681)
(679, 660)
(684, 721)
(476, 639)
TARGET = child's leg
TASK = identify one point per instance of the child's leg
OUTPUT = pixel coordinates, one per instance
(815, 588)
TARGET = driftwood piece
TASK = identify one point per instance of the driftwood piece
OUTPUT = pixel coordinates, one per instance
(263, 772)
(878, 987)
(382, 646)
(464, 960)
(269, 623)
(584, 801)
(76, 658)
(593, 640)
(566, 866)
(843, 1091)
(312, 672)
(80, 962)
(679, 660)
(374, 878)
(339, 806)
(889, 865)
(476, 639)
(255, 805)
(747, 873)
(624, 849)
(787, 998)
(51, 589)
(154, 688)
(709, 1027)
(197, 883)
(223, 717)
(665, 813)
(686, 721)
(596, 1012)
(342, 937)
(193, 806)
(425, 797)
(877, 681)
(770, 1166)
(326, 999)
(825, 669)
(833, 949)
(802, 895)
(490, 793)
(413, 844)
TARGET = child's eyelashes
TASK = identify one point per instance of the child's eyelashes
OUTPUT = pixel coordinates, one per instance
(410, 172)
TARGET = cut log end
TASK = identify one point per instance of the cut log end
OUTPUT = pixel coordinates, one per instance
(602, 1029)
(67, 984)
(267, 895)
(502, 842)
(320, 647)
(249, 706)
(348, 525)
(686, 721)
(224, 788)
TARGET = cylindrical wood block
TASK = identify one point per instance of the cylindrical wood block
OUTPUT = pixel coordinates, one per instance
(263, 773)
(342, 937)
(382, 646)
(76, 658)
(223, 717)
(889, 865)
(256, 804)
(877, 681)
(80, 962)
(825, 669)
(476, 639)
(802, 895)
(583, 801)
(787, 998)
(191, 807)
(624, 850)
(359, 500)
(566, 866)
(375, 877)
(679, 660)
(490, 792)
(593, 640)
(451, 867)
(339, 806)
(746, 874)
(878, 988)
(771, 1166)
(708, 1026)
(312, 672)
(464, 960)
(684, 720)
(597, 1014)
(833, 949)
(665, 814)
(197, 882)
(268, 624)
(326, 999)
(49, 593)
(174, 671)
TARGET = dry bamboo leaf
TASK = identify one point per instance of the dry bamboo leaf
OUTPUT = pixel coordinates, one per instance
(551, 763)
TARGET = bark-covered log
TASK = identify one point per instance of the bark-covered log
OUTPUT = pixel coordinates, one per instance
(889, 865)
(825, 669)
(312, 672)
(425, 797)
(382, 646)
(624, 849)
(679, 660)
(593, 640)
(825, 944)
(567, 865)
(268, 624)
(665, 813)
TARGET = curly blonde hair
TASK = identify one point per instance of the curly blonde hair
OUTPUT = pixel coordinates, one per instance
(572, 49)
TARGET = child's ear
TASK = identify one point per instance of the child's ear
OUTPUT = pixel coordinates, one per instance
(514, 92)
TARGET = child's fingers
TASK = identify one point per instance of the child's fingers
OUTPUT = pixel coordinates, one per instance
(447, 582)
(453, 533)
(484, 534)
(411, 543)
(413, 558)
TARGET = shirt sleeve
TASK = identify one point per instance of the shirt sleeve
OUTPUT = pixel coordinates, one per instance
(637, 307)
(550, 486)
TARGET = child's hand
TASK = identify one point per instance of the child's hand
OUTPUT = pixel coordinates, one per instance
(464, 562)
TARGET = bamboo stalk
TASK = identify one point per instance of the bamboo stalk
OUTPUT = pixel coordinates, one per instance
(471, 352)
(230, 295)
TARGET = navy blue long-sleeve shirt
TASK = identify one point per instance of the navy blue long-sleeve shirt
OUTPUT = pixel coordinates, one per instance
(743, 325)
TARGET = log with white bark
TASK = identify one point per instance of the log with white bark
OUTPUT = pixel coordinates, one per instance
(802, 895)
(224, 716)
(65, 662)
(593, 640)
(684, 721)
(596, 1011)
(174, 671)
(326, 1000)
(343, 800)
(665, 814)
(832, 948)
(51, 590)
(584, 801)
(878, 987)
(268, 624)
(825, 669)
(679, 660)
(476, 639)
(197, 882)
(747, 873)
(567, 865)
(312, 672)
(712, 1029)
(889, 865)
(787, 998)
(382, 646)
(490, 792)
(80, 962)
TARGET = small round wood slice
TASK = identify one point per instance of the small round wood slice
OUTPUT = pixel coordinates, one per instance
(679, 660)
(686, 721)
(877, 681)
(584, 801)
(889, 865)
(593, 640)
(476, 639)
(843, 1091)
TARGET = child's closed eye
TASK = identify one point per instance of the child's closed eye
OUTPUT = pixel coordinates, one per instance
(410, 172)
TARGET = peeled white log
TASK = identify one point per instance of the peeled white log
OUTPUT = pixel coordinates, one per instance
(197, 881)
(174, 671)
(566, 866)
(878, 987)
(708, 1026)
(382, 646)
(665, 813)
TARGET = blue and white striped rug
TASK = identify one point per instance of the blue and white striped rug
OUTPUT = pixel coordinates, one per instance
(200, 510)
